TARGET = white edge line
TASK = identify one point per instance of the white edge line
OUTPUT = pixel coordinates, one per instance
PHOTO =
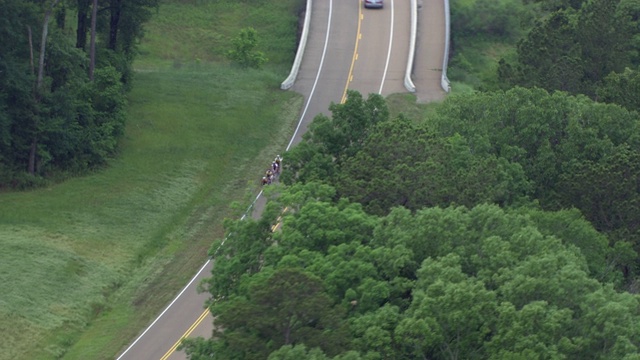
(165, 310)
(188, 284)
(386, 66)
(324, 51)
(315, 82)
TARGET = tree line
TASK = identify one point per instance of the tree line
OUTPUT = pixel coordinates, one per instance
(581, 47)
(589, 47)
(64, 70)
(438, 283)
(504, 225)
(521, 147)
(483, 231)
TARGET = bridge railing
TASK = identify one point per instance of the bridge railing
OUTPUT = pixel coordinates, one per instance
(288, 82)
(444, 80)
(408, 83)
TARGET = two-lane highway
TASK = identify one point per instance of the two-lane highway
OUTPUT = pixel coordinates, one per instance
(348, 47)
(381, 56)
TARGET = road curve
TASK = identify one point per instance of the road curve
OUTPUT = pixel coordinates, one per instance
(348, 47)
(321, 80)
(327, 58)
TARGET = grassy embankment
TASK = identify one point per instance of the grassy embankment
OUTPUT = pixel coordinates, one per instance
(479, 70)
(474, 50)
(85, 264)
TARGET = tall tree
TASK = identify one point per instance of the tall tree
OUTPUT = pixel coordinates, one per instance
(575, 47)
(282, 307)
(33, 148)
(331, 140)
(92, 50)
(621, 88)
(126, 19)
(52, 120)
(350, 124)
(603, 34)
(115, 10)
(404, 164)
(43, 42)
(81, 22)
(608, 189)
(549, 56)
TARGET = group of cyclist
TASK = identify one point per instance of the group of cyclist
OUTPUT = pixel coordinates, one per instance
(273, 171)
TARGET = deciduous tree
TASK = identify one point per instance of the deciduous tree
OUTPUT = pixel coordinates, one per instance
(244, 51)
(621, 88)
(286, 306)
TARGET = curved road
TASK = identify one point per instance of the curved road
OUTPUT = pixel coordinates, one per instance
(348, 47)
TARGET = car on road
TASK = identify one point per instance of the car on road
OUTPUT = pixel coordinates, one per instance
(373, 3)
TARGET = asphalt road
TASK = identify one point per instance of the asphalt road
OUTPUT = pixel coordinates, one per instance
(348, 47)
(427, 68)
(383, 49)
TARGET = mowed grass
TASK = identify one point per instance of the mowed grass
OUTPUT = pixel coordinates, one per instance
(85, 264)
(182, 35)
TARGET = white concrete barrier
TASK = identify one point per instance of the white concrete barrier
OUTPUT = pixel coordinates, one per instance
(408, 83)
(444, 80)
(288, 82)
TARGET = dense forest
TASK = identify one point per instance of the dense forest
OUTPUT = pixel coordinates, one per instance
(64, 68)
(503, 225)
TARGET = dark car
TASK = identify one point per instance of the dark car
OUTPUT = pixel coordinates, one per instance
(373, 4)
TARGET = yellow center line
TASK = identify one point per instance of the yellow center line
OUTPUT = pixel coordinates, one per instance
(186, 334)
(275, 227)
(279, 220)
(206, 312)
(355, 54)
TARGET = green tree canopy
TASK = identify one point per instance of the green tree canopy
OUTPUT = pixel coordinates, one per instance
(330, 140)
(576, 46)
(509, 148)
(271, 309)
(622, 89)
(438, 283)
(54, 117)
(405, 164)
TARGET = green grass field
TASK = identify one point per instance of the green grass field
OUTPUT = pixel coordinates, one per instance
(85, 264)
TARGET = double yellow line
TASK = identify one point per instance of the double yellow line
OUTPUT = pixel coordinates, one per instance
(279, 220)
(355, 54)
(185, 335)
(206, 312)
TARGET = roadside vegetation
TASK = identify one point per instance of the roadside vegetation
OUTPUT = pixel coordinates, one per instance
(64, 74)
(87, 262)
(501, 223)
(482, 32)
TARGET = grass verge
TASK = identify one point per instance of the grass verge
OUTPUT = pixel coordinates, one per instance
(88, 262)
(406, 104)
